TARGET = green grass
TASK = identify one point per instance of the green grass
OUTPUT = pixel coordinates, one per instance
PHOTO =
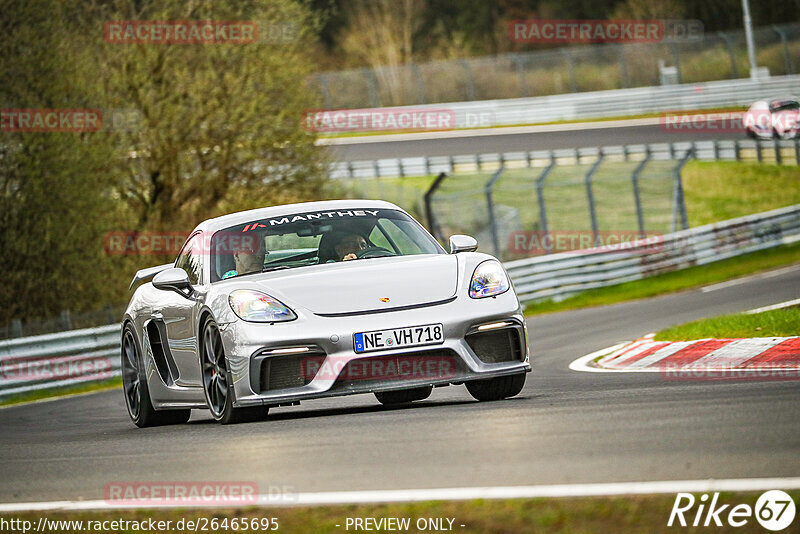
(721, 190)
(676, 280)
(775, 323)
(628, 514)
(113, 383)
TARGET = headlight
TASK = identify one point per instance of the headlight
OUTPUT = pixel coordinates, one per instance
(488, 280)
(259, 307)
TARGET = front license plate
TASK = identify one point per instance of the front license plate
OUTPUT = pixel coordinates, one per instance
(395, 338)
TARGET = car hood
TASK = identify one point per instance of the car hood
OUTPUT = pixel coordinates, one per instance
(359, 285)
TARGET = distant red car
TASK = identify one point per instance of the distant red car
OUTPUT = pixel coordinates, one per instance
(773, 119)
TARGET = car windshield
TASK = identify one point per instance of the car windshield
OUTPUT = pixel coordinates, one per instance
(785, 105)
(312, 238)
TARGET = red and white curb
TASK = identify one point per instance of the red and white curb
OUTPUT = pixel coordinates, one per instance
(702, 355)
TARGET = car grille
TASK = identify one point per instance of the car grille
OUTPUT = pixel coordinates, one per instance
(283, 372)
(424, 366)
(496, 346)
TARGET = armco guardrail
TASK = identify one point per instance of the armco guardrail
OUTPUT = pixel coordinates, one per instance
(39, 362)
(614, 103)
(556, 276)
(62, 359)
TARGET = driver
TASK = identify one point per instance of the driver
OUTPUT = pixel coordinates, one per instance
(248, 257)
(348, 245)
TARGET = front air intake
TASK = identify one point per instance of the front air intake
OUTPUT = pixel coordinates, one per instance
(497, 346)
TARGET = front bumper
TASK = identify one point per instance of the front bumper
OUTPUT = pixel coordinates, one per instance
(328, 343)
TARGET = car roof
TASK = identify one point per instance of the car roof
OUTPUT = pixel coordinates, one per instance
(241, 217)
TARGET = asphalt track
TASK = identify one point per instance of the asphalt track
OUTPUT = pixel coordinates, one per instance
(566, 427)
(551, 140)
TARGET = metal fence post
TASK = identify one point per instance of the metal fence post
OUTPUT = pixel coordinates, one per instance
(676, 57)
(523, 83)
(679, 202)
(797, 150)
(590, 196)
(420, 83)
(778, 156)
(731, 53)
(16, 328)
(542, 208)
(66, 320)
(737, 150)
(573, 83)
(636, 195)
(326, 94)
(470, 80)
(372, 84)
(787, 62)
(434, 227)
(487, 189)
(623, 69)
(759, 156)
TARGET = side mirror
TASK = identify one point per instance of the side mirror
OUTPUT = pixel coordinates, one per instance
(462, 243)
(173, 279)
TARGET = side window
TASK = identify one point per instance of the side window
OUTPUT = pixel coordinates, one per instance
(190, 259)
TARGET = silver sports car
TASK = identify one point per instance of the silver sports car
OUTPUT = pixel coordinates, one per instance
(275, 305)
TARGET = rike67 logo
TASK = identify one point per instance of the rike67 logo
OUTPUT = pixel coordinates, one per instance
(774, 510)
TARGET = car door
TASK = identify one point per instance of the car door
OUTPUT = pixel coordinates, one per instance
(178, 315)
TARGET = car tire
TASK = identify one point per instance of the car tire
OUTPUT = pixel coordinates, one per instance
(134, 388)
(404, 395)
(498, 388)
(216, 381)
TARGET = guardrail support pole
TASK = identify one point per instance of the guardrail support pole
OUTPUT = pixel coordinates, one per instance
(778, 157)
(434, 227)
(636, 196)
(590, 196)
(542, 207)
(759, 156)
(487, 189)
